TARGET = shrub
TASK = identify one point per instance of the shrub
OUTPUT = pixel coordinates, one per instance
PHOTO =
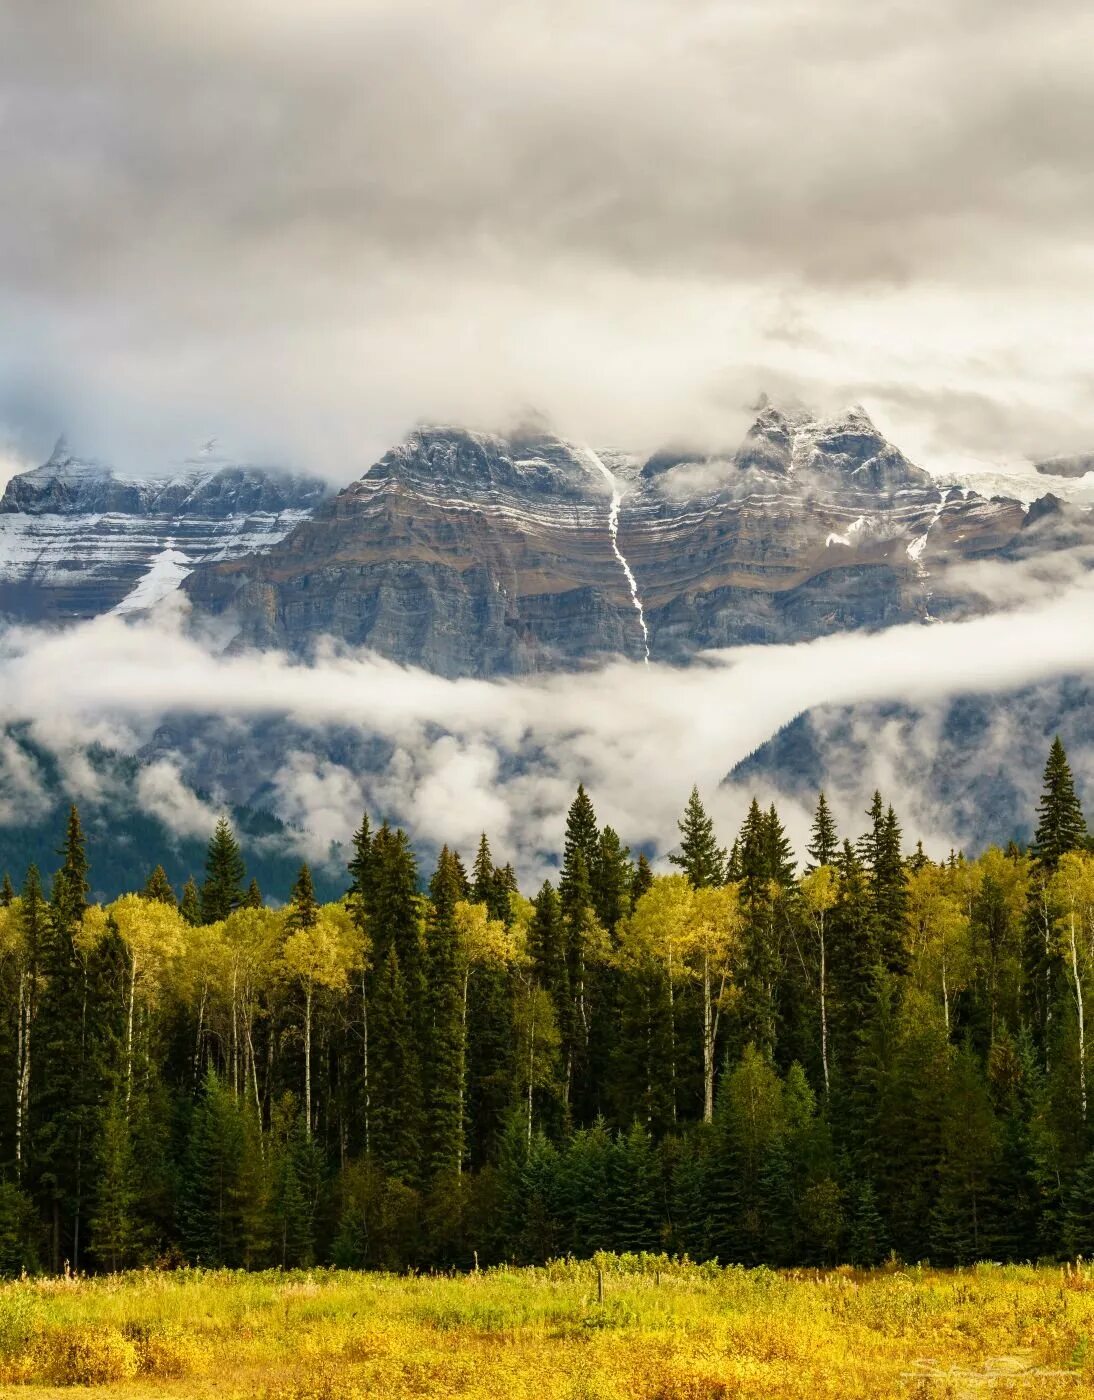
(89, 1356)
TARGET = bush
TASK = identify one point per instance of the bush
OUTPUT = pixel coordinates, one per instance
(89, 1356)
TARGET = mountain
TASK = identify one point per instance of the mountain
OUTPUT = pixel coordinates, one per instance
(965, 770)
(483, 555)
(126, 836)
(77, 540)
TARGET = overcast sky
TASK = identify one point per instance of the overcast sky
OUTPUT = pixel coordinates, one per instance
(303, 227)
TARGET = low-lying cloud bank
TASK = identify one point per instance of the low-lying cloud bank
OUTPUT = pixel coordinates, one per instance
(505, 756)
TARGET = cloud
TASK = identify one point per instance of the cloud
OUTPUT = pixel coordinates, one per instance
(505, 756)
(305, 227)
(162, 792)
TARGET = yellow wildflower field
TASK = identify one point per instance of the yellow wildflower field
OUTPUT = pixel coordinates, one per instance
(661, 1330)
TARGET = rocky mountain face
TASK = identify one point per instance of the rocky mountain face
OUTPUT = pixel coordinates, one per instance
(964, 770)
(76, 540)
(474, 554)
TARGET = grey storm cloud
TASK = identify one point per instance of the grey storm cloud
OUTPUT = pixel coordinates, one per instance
(307, 226)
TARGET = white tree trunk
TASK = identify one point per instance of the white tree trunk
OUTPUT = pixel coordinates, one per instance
(307, 1056)
(824, 1002)
(1079, 1009)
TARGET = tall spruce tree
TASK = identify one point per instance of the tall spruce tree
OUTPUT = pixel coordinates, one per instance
(395, 1082)
(224, 875)
(445, 1059)
(158, 887)
(190, 903)
(1061, 826)
(823, 844)
(61, 1126)
(880, 849)
(612, 873)
(643, 878)
(700, 857)
(303, 906)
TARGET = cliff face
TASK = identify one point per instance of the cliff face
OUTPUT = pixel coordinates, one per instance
(77, 540)
(471, 554)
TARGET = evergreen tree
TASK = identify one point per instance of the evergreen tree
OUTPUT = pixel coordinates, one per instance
(482, 873)
(190, 903)
(360, 874)
(394, 918)
(1061, 826)
(547, 951)
(758, 846)
(881, 854)
(116, 1235)
(643, 879)
(158, 887)
(61, 1126)
(395, 1085)
(7, 892)
(611, 880)
(18, 1232)
(253, 898)
(224, 875)
(635, 1192)
(700, 857)
(303, 906)
(867, 1240)
(445, 1060)
(210, 1206)
(824, 838)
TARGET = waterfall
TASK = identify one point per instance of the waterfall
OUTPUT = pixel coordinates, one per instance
(613, 533)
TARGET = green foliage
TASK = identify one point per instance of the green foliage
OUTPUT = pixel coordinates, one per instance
(224, 875)
(700, 857)
(896, 1059)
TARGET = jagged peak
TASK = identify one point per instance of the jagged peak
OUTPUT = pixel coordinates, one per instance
(62, 461)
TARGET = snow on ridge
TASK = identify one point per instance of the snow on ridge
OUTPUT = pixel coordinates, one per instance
(164, 575)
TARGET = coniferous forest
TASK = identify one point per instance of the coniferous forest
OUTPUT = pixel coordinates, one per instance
(762, 1057)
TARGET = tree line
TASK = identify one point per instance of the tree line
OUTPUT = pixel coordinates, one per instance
(740, 1060)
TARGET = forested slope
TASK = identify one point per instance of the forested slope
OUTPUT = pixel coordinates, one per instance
(750, 1058)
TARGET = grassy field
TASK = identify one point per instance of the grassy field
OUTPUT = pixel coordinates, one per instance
(668, 1332)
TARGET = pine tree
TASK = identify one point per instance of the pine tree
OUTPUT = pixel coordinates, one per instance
(762, 955)
(395, 1084)
(210, 1206)
(635, 1190)
(360, 874)
(253, 898)
(19, 1231)
(224, 875)
(116, 1236)
(158, 887)
(7, 892)
(392, 906)
(1061, 826)
(611, 880)
(482, 873)
(445, 1058)
(824, 838)
(61, 1126)
(190, 903)
(643, 879)
(303, 907)
(867, 1241)
(700, 857)
(880, 850)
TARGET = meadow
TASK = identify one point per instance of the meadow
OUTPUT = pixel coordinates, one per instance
(662, 1331)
